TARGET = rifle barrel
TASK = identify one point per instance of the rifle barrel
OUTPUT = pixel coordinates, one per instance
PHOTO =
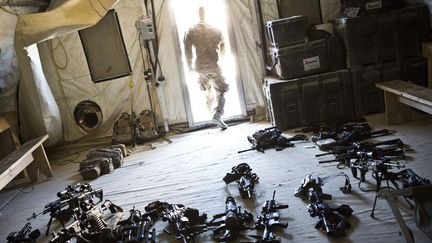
(328, 161)
(246, 150)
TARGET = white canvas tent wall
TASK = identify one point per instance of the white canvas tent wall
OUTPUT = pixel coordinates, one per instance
(71, 84)
(39, 112)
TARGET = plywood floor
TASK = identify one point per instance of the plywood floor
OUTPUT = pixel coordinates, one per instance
(190, 171)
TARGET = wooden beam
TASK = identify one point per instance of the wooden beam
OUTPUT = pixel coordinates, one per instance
(21, 3)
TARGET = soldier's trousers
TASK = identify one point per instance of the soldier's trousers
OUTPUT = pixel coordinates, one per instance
(217, 80)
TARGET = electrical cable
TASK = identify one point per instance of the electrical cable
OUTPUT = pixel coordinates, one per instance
(12, 12)
(63, 93)
(91, 3)
(102, 5)
(24, 190)
(60, 43)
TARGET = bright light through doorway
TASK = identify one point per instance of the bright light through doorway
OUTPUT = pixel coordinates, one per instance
(186, 14)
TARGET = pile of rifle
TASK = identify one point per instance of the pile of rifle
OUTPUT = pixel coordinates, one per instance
(86, 220)
(347, 145)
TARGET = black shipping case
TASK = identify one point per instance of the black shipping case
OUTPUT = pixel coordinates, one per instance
(287, 31)
(367, 98)
(415, 71)
(300, 60)
(305, 101)
(382, 38)
(370, 6)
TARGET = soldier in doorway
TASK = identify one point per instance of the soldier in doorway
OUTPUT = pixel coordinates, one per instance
(208, 43)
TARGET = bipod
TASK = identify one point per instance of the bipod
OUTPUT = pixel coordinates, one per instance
(379, 178)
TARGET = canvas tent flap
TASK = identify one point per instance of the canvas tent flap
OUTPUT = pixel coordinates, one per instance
(39, 113)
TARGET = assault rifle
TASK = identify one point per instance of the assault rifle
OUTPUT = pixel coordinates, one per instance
(348, 133)
(68, 201)
(187, 222)
(246, 180)
(24, 235)
(361, 151)
(269, 138)
(315, 184)
(138, 227)
(330, 219)
(269, 220)
(366, 147)
(231, 221)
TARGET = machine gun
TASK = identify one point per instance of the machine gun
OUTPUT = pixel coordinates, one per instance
(187, 222)
(68, 201)
(24, 235)
(138, 228)
(380, 172)
(246, 180)
(271, 138)
(231, 221)
(330, 219)
(269, 220)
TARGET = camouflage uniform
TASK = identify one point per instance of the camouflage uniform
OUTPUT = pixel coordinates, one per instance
(208, 42)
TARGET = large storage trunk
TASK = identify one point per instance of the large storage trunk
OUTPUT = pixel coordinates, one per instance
(287, 31)
(305, 101)
(367, 98)
(382, 38)
(415, 71)
(368, 6)
(336, 53)
(300, 60)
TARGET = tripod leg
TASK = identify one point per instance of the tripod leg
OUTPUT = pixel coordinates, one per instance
(379, 178)
(48, 226)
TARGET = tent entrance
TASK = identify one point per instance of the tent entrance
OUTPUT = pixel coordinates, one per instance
(186, 16)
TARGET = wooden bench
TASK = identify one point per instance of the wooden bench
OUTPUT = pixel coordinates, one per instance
(392, 199)
(399, 95)
(29, 158)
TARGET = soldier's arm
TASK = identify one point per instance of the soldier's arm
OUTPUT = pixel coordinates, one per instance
(188, 49)
(222, 45)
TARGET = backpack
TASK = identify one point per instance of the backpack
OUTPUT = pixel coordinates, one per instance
(146, 127)
(124, 129)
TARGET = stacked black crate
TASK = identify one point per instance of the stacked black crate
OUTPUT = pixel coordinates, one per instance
(414, 66)
(292, 55)
(309, 100)
(382, 47)
(308, 88)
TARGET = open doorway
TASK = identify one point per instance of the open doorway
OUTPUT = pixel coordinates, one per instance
(186, 15)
